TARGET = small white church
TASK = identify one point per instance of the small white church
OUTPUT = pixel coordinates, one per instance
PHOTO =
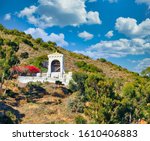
(56, 72)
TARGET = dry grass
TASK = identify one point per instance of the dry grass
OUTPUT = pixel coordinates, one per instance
(51, 108)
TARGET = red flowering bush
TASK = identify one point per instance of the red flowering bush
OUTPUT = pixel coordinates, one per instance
(24, 70)
(32, 69)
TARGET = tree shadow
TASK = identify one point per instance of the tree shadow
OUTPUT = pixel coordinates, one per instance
(56, 94)
(66, 91)
(12, 98)
(35, 92)
(8, 115)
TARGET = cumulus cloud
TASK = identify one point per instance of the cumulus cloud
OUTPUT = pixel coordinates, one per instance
(7, 17)
(85, 35)
(109, 34)
(143, 64)
(40, 33)
(129, 27)
(117, 48)
(28, 11)
(143, 1)
(60, 13)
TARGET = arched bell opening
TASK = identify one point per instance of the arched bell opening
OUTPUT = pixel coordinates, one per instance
(55, 66)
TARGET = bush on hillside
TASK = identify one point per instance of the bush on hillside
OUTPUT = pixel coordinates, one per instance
(106, 105)
(52, 44)
(13, 45)
(102, 60)
(13, 60)
(80, 120)
(1, 42)
(87, 67)
(45, 45)
(8, 118)
(146, 72)
(39, 62)
(24, 55)
(75, 105)
(28, 42)
(39, 40)
(2, 27)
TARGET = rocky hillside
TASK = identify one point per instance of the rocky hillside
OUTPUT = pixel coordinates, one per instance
(46, 103)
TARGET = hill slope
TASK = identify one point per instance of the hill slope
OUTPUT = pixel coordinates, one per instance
(38, 51)
(48, 102)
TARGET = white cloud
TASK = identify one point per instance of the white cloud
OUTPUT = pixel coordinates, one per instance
(143, 1)
(129, 27)
(92, 1)
(117, 48)
(7, 17)
(93, 18)
(109, 34)
(60, 13)
(28, 11)
(85, 35)
(143, 64)
(111, 1)
(40, 33)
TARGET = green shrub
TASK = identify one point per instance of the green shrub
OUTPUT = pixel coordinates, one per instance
(80, 120)
(24, 55)
(39, 41)
(75, 105)
(28, 42)
(73, 86)
(2, 53)
(13, 60)
(102, 60)
(52, 44)
(16, 32)
(58, 82)
(87, 67)
(129, 90)
(2, 27)
(78, 56)
(8, 118)
(45, 45)
(1, 42)
(10, 93)
(79, 79)
(11, 115)
(29, 36)
(146, 72)
(38, 62)
(13, 45)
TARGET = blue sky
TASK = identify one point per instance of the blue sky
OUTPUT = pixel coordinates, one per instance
(118, 30)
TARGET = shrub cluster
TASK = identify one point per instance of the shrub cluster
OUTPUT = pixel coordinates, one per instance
(87, 67)
(106, 105)
(24, 55)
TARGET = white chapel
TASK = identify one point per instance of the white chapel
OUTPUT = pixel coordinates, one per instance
(56, 72)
